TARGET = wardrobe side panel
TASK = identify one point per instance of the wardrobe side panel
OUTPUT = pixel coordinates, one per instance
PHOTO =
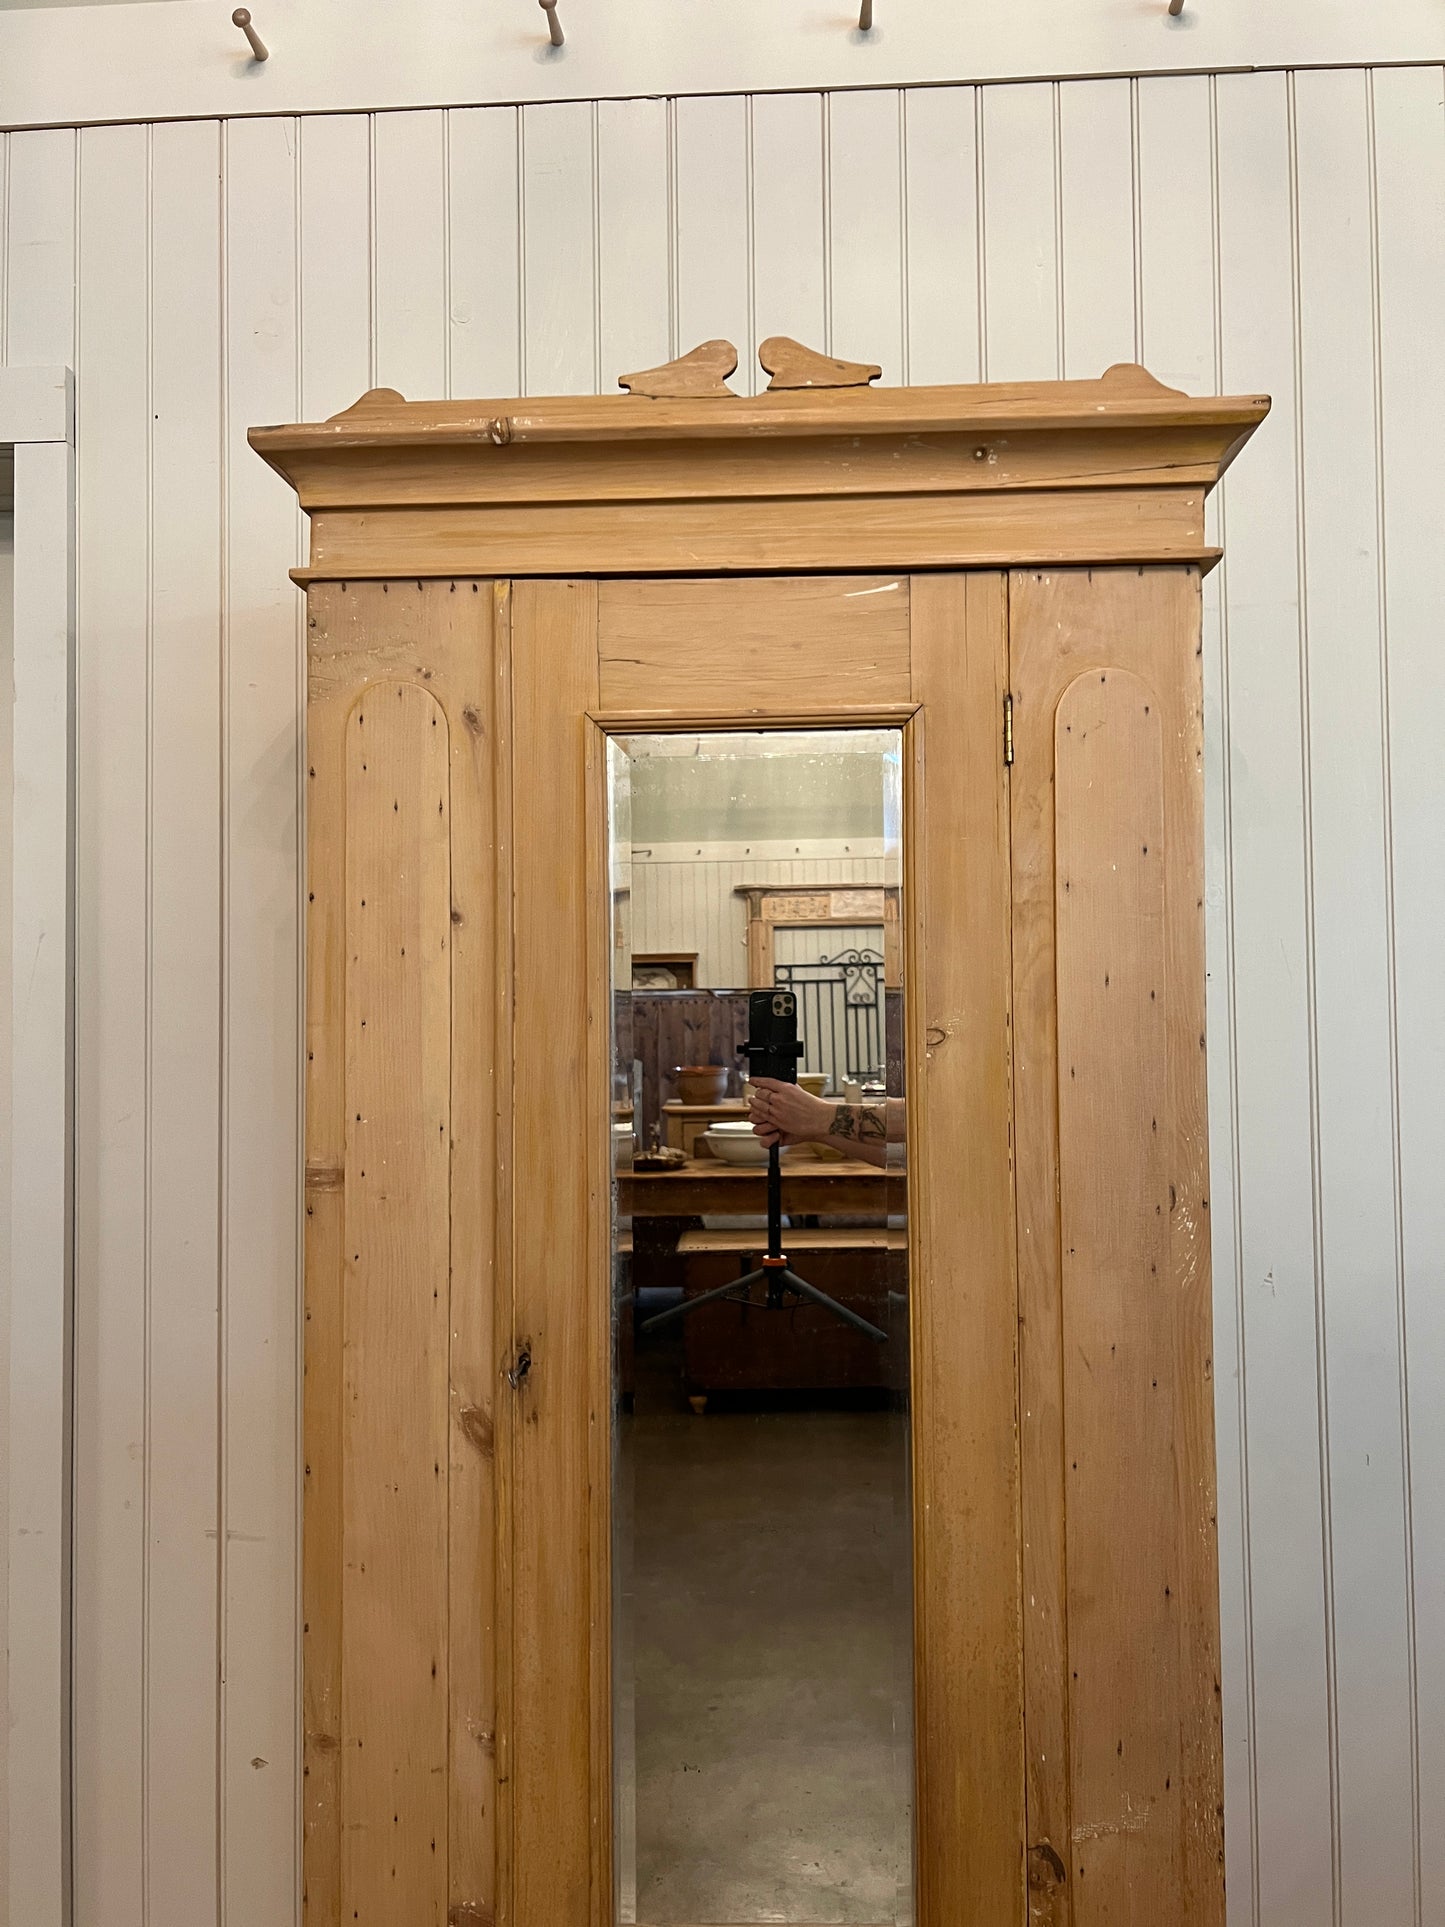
(1121, 1584)
(400, 1359)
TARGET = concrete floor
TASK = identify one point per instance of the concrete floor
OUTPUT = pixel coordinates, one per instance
(764, 1669)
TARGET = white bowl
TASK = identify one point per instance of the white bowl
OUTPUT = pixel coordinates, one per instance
(736, 1144)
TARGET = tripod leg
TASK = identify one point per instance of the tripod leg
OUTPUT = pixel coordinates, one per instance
(792, 1282)
(729, 1290)
(775, 1202)
(788, 1280)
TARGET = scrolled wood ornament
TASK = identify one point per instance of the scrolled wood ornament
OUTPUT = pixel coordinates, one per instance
(369, 403)
(702, 371)
(791, 365)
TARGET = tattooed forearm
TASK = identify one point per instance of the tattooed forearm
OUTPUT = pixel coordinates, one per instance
(867, 1123)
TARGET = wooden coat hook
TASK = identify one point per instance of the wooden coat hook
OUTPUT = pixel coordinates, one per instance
(554, 25)
(865, 17)
(242, 18)
(1176, 7)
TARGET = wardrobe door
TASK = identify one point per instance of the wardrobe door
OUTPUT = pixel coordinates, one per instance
(400, 1370)
(924, 658)
(1120, 1580)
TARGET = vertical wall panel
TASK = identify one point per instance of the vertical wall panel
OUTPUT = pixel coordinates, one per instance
(484, 247)
(38, 1267)
(113, 1192)
(1097, 217)
(1409, 153)
(184, 917)
(337, 356)
(789, 270)
(1013, 232)
(1174, 159)
(865, 230)
(40, 242)
(559, 253)
(261, 856)
(1022, 321)
(712, 243)
(409, 253)
(1345, 803)
(634, 237)
(941, 232)
(4, 251)
(1272, 1022)
(1175, 170)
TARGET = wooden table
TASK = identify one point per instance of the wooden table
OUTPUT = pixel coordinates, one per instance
(703, 1186)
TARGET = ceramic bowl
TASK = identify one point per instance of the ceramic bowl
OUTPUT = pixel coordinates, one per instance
(701, 1083)
(736, 1144)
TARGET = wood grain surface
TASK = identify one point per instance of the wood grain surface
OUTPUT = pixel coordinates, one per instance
(964, 1317)
(1116, 1368)
(399, 1637)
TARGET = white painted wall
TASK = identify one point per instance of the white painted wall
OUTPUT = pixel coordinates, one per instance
(150, 60)
(1251, 232)
(37, 478)
(689, 901)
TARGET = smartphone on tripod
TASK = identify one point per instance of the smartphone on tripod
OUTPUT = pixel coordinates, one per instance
(772, 1050)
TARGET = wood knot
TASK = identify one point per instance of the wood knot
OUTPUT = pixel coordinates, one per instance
(1046, 1870)
(477, 1425)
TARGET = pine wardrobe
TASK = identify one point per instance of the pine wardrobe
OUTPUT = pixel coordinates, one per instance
(1009, 578)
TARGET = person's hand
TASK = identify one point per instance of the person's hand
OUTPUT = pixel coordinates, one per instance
(787, 1114)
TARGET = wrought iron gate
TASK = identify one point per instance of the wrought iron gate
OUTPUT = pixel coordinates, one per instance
(840, 1013)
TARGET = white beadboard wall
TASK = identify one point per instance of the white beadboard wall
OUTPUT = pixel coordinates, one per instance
(692, 904)
(1243, 232)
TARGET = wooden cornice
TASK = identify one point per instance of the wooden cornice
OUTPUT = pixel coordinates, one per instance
(1048, 472)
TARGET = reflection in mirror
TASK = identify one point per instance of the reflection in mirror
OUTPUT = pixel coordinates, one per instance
(762, 1538)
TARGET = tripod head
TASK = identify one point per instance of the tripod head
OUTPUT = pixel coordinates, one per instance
(772, 1049)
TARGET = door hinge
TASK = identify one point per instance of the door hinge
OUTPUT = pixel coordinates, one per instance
(1008, 730)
